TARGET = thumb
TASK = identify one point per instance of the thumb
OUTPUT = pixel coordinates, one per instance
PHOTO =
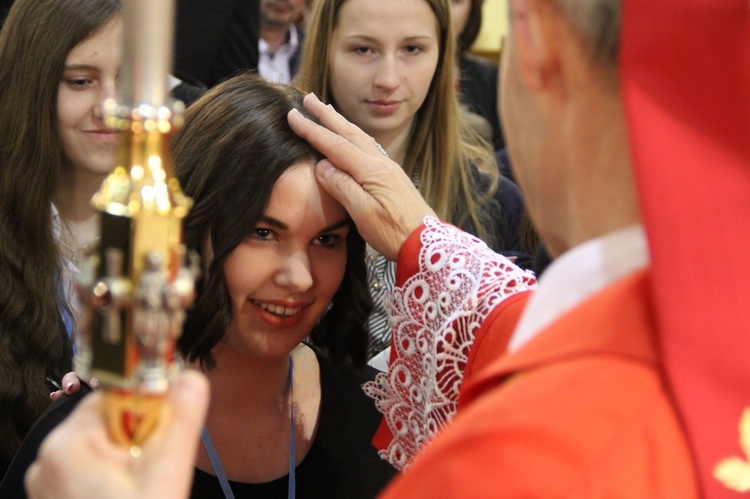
(189, 401)
(171, 455)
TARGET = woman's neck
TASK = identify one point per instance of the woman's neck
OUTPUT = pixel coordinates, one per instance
(79, 221)
(265, 379)
(249, 415)
(73, 194)
(395, 142)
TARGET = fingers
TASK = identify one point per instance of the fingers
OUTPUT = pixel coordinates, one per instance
(341, 151)
(79, 460)
(332, 120)
(188, 403)
(70, 386)
(381, 199)
(345, 189)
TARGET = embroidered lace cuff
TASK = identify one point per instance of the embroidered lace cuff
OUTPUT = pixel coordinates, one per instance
(434, 318)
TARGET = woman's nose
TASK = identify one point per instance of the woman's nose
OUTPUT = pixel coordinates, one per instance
(108, 91)
(296, 273)
(387, 74)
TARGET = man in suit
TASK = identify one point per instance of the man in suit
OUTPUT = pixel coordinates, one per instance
(215, 39)
(280, 39)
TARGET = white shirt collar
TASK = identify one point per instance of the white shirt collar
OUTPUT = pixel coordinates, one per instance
(288, 47)
(577, 275)
(275, 65)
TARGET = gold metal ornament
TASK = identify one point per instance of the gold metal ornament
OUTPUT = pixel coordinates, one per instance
(136, 288)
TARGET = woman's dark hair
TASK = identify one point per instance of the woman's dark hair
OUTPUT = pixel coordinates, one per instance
(234, 146)
(34, 43)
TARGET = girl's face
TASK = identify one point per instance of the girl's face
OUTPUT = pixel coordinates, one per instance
(383, 57)
(460, 10)
(90, 76)
(284, 274)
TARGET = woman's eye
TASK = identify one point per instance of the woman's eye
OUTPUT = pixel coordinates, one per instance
(262, 234)
(361, 50)
(328, 240)
(414, 49)
(78, 83)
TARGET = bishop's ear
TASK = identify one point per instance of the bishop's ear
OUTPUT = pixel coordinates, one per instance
(536, 32)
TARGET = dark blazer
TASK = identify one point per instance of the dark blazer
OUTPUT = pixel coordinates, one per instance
(11, 486)
(215, 38)
(5, 6)
(478, 91)
(295, 58)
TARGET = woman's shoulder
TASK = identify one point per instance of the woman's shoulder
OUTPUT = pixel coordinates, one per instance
(507, 195)
(348, 422)
(348, 417)
(344, 382)
(506, 213)
(12, 483)
(478, 67)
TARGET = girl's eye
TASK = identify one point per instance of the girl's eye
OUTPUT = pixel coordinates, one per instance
(78, 83)
(413, 49)
(262, 234)
(361, 50)
(328, 240)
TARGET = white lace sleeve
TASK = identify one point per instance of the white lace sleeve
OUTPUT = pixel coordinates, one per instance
(434, 318)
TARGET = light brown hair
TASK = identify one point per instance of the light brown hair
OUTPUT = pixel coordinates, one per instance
(443, 149)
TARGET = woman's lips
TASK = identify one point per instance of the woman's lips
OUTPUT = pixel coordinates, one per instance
(102, 136)
(279, 315)
(384, 107)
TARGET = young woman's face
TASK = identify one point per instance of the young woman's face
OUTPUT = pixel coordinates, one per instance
(90, 76)
(383, 57)
(284, 274)
(460, 10)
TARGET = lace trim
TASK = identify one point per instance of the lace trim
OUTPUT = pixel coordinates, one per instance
(434, 318)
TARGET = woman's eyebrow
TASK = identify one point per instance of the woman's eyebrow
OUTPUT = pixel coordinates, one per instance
(273, 221)
(80, 67)
(341, 223)
(281, 225)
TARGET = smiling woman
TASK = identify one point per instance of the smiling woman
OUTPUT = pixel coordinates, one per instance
(282, 263)
(279, 321)
(301, 242)
(90, 76)
(57, 61)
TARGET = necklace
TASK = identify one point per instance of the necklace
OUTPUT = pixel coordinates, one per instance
(213, 456)
(72, 250)
(72, 254)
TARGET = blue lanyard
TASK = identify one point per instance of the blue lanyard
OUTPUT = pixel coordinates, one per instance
(219, 469)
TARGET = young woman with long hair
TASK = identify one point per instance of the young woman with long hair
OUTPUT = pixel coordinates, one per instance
(58, 60)
(389, 68)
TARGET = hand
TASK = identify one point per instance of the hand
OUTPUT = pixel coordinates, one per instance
(71, 385)
(379, 196)
(78, 460)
